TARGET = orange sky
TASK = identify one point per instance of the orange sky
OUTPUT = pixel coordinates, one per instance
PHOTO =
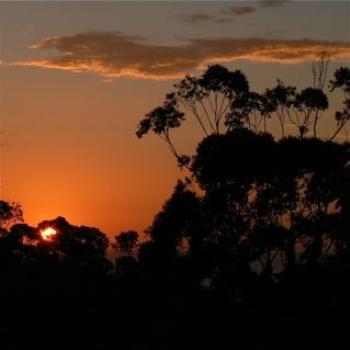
(69, 145)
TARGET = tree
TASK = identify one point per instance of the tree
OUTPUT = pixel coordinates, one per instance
(207, 99)
(17, 246)
(174, 217)
(341, 81)
(220, 100)
(10, 213)
(268, 205)
(320, 70)
(80, 246)
(126, 242)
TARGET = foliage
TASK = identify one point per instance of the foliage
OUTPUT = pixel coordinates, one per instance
(259, 231)
(220, 100)
(265, 206)
(10, 213)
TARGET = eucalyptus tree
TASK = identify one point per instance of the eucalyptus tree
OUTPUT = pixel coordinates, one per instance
(220, 100)
(302, 109)
(207, 99)
(126, 243)
(309, 102)
(81, 247)
(262, 198)
(10, 214)
(341, 82)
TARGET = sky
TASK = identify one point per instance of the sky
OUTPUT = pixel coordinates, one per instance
(76, 78)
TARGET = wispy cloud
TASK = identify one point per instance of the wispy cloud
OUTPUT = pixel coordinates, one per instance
(239, 9)
(271, 3)
(244, 9)
(199, 18)
(196, 18)
(113, 54)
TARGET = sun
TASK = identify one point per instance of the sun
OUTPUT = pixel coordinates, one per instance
(48, 233)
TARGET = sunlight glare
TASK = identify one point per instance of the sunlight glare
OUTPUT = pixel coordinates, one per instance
(47, 233)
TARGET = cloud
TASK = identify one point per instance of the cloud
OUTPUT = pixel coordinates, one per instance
(237, 10)
(113, 54)
(240, 10)
(197, 18)
(271, 3)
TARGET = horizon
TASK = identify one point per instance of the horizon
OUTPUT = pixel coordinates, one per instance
(68, 92)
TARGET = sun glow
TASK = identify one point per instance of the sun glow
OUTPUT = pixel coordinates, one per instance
(48, 233)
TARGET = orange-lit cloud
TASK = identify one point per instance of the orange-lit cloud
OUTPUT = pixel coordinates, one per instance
(112, 54)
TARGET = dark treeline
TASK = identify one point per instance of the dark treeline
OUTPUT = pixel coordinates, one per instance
(251, 250)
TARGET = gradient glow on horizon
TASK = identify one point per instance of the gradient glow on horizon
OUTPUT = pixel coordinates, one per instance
(69, 145)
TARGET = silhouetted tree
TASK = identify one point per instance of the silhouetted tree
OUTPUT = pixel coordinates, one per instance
(220, 100)
(126, 242)
(126, 246)
(79, 246)
(207, 99)
(341, 81)
(265, 206)
(10, 213)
